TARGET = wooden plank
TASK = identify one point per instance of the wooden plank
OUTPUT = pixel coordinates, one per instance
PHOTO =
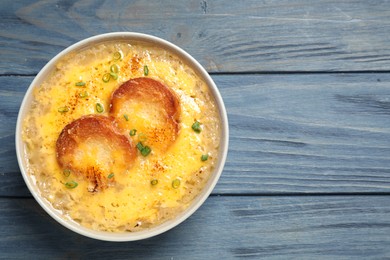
(307, 133)
(321, 227)
(314, 133)
(12, 91)
(299, 35)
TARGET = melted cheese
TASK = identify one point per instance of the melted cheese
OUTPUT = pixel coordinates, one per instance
(130, 202)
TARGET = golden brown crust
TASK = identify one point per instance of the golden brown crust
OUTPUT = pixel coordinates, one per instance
(92, 147)
(150, 107)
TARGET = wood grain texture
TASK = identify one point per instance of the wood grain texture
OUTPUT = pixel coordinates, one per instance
(12, 91)
(254, 36)
(307, 133)
(309, 152)
(310, 133)
(223, 228)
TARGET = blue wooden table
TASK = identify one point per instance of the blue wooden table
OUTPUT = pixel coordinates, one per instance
(307, 89)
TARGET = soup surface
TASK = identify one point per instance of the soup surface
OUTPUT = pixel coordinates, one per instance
(121, 165)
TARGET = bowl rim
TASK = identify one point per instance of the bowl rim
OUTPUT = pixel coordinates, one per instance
(167, 225)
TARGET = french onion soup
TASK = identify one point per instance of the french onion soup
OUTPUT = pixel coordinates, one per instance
(121, 136)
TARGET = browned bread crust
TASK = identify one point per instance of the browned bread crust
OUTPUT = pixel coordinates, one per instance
(93, 148)
(150, 107)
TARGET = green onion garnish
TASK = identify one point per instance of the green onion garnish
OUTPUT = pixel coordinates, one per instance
(110, 175)
(117, 55)
(140, 146)
(133, 132)
(80, 84)
(175, 183)
(99, 108)
(146, 70)
(114, 75)
(196, 127)
(145, 150)
(71, 184)
(204, 157)
(106, 77)
(114, 68)
(63, 109)
(66, 172)
(84, 95)
(154, 182)
(126, 117)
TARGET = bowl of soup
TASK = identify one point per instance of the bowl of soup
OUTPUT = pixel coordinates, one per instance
(122, 136)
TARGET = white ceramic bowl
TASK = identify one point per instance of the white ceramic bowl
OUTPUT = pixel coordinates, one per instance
(129, 236)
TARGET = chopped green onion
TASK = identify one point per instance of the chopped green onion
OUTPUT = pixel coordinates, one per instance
(80, 84)
(114, 68)
(196, 127)
(117, 55)
(106, 77)
(204, 157)
(66, 172)
(145, 150)
(146, 70)
(126, 117)
(84, 95)
(110, 175)
(99, 108)
(114, 75)
(140, 146)
(175, 183)
(71, 184)
(133, 132)
(154, 182)
(63, 109)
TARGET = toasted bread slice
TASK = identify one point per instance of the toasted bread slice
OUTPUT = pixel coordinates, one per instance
(92, 147)
(149, 107)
